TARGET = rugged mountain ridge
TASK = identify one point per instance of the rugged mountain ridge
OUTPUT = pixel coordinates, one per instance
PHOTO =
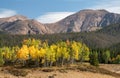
(22, 25)
(84, 20)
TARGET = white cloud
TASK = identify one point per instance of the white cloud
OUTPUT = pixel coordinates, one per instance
(112, 6)
(7, 13)
(52, 17)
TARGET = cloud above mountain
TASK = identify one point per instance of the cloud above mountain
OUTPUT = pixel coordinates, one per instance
(112, 6)
(52, 17)
(7, 13)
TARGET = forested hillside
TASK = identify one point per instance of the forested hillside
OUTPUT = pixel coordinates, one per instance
(104, 38)
(105, 41)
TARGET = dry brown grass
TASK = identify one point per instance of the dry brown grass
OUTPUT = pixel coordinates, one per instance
(111, 67)
(73, 71)
(93, 69)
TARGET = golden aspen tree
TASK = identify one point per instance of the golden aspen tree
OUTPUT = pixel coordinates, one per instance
(50, 54)
(23, 54)
(74, 52)
(7, 54)
(33, 53)
(85, 53)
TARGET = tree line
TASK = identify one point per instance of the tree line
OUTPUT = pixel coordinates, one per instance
(35, 52)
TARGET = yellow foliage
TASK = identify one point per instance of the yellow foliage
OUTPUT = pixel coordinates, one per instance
(23, 53)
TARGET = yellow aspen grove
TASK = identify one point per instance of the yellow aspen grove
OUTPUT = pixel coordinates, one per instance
(39, 53)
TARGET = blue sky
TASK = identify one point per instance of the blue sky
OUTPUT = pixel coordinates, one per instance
(48, 11)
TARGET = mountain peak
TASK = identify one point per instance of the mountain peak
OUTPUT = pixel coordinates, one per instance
(20, 16)
(93, 11)
(16, 17)
(86, 20)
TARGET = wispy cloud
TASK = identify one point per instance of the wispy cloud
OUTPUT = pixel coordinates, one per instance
(110, 5)
(52, 17)
(7, 13)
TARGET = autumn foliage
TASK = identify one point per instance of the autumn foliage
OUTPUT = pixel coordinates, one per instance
(39, 53)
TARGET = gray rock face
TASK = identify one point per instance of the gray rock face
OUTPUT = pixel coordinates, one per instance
(85, 20)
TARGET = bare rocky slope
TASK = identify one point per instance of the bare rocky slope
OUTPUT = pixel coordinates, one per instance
(84, 20)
